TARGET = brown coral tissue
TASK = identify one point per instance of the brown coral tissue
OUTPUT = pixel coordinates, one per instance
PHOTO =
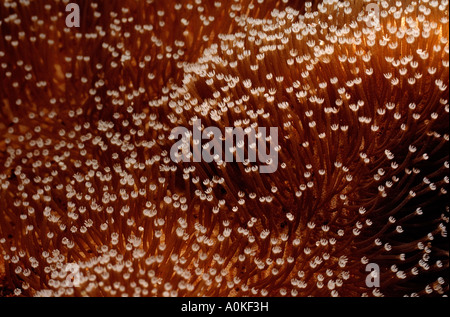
(92, 203)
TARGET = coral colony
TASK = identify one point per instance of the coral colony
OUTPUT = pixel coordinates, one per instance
(98, 199)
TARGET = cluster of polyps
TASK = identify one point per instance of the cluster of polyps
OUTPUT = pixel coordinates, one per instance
(87, 177)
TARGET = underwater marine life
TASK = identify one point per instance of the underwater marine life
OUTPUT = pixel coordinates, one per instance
(93, 205)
